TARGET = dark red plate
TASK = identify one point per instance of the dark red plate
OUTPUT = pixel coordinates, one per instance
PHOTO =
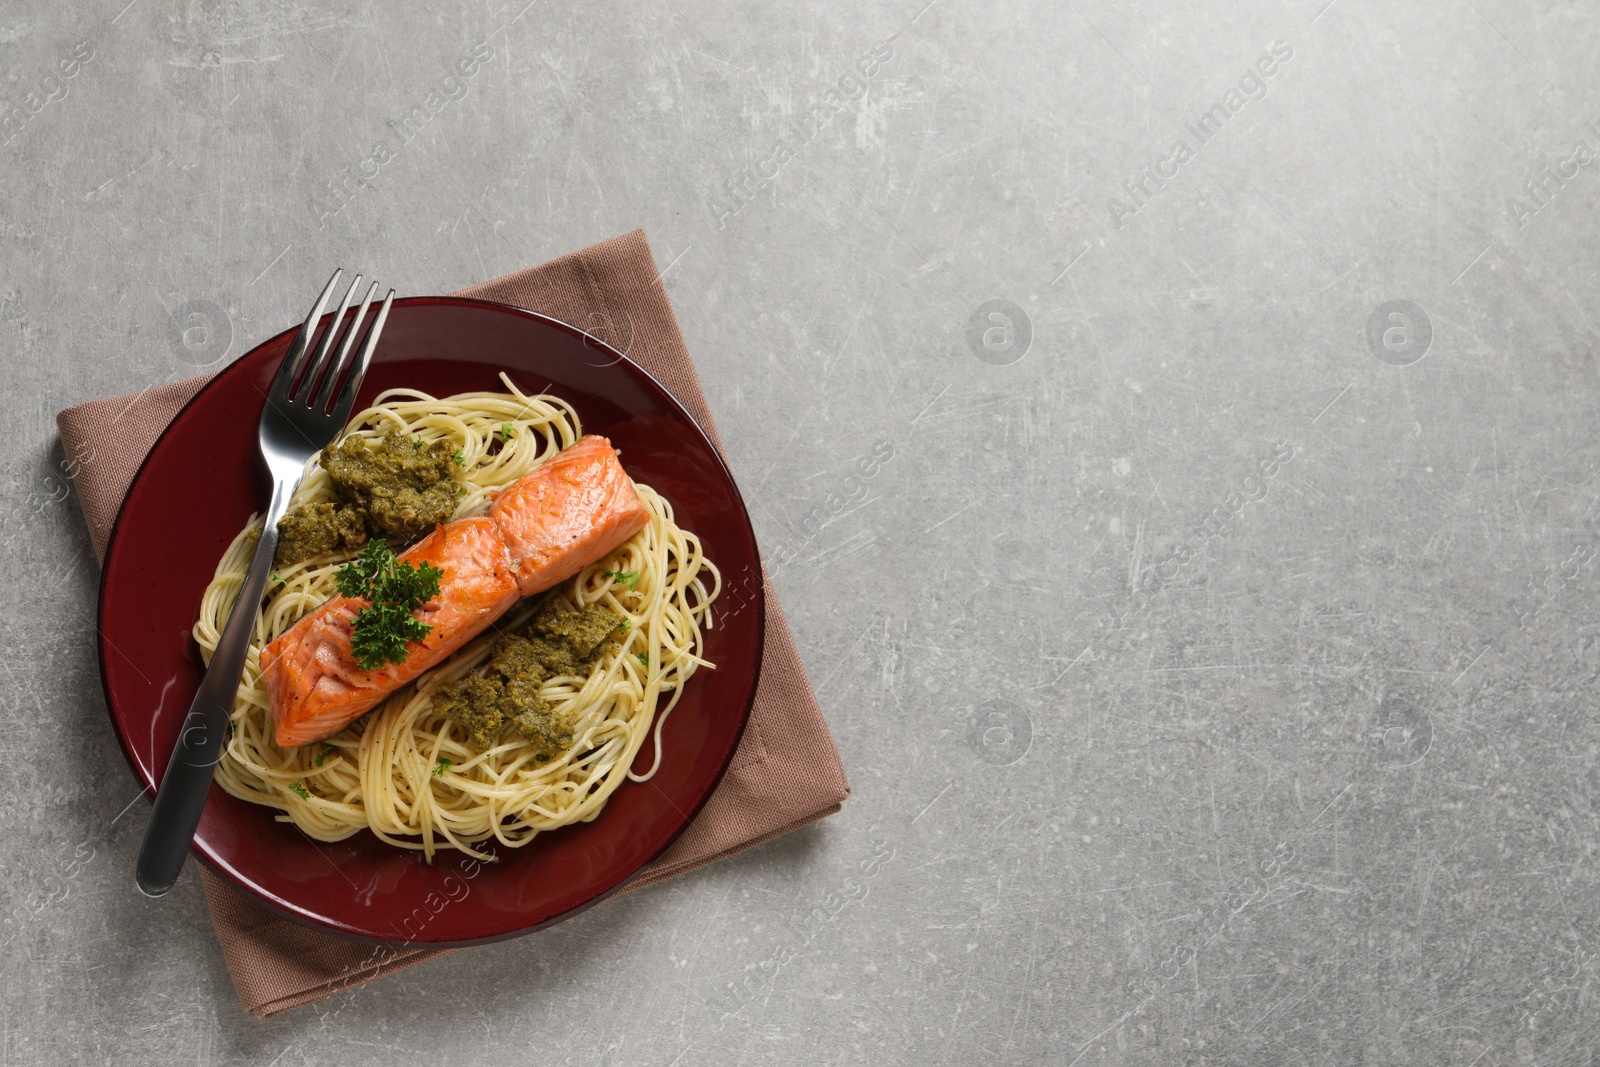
(199, 485)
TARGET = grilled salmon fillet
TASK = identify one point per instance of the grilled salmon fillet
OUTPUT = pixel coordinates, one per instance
(311, 675)
(543, 529)
(569, 513)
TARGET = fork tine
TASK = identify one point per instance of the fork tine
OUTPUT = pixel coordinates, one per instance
(289, 369)
(337, 367)
(347, 395)
(314, 372)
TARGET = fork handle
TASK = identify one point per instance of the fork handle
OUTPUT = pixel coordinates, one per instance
(187, 780)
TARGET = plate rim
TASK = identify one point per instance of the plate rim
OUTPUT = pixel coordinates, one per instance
(299, 913)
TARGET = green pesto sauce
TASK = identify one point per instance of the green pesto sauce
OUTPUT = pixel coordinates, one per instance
(398, 489)
(319, 529)
(561, 640)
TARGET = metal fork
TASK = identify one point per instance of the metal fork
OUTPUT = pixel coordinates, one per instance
(296, 423)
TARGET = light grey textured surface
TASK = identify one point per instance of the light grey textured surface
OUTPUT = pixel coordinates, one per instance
(1316, 783)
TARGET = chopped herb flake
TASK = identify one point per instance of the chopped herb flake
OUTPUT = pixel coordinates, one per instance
(300, 788)
(505, 431)
(627, 578)
(394, 589)
(461, 460)
(644, 661)
(327, 750)
(280, 581)
(442, 766)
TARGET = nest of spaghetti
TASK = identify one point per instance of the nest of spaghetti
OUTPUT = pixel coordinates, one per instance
(531, 726)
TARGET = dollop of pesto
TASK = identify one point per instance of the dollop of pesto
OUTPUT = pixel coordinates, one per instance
(319, 529)
(397, 488)
(406, 487)
(559, 640)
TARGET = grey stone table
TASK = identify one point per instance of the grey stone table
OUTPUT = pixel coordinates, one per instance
(1213, 657)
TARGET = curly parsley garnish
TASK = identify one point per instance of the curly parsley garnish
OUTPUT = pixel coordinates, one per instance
(627, 578)
(394, 589)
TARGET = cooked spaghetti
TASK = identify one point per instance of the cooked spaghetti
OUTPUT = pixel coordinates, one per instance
(405, 770)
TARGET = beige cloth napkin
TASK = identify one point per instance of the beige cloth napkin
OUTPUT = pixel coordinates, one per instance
(786, 772)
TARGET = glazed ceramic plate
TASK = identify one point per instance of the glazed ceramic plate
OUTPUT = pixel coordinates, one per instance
(198, 487)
